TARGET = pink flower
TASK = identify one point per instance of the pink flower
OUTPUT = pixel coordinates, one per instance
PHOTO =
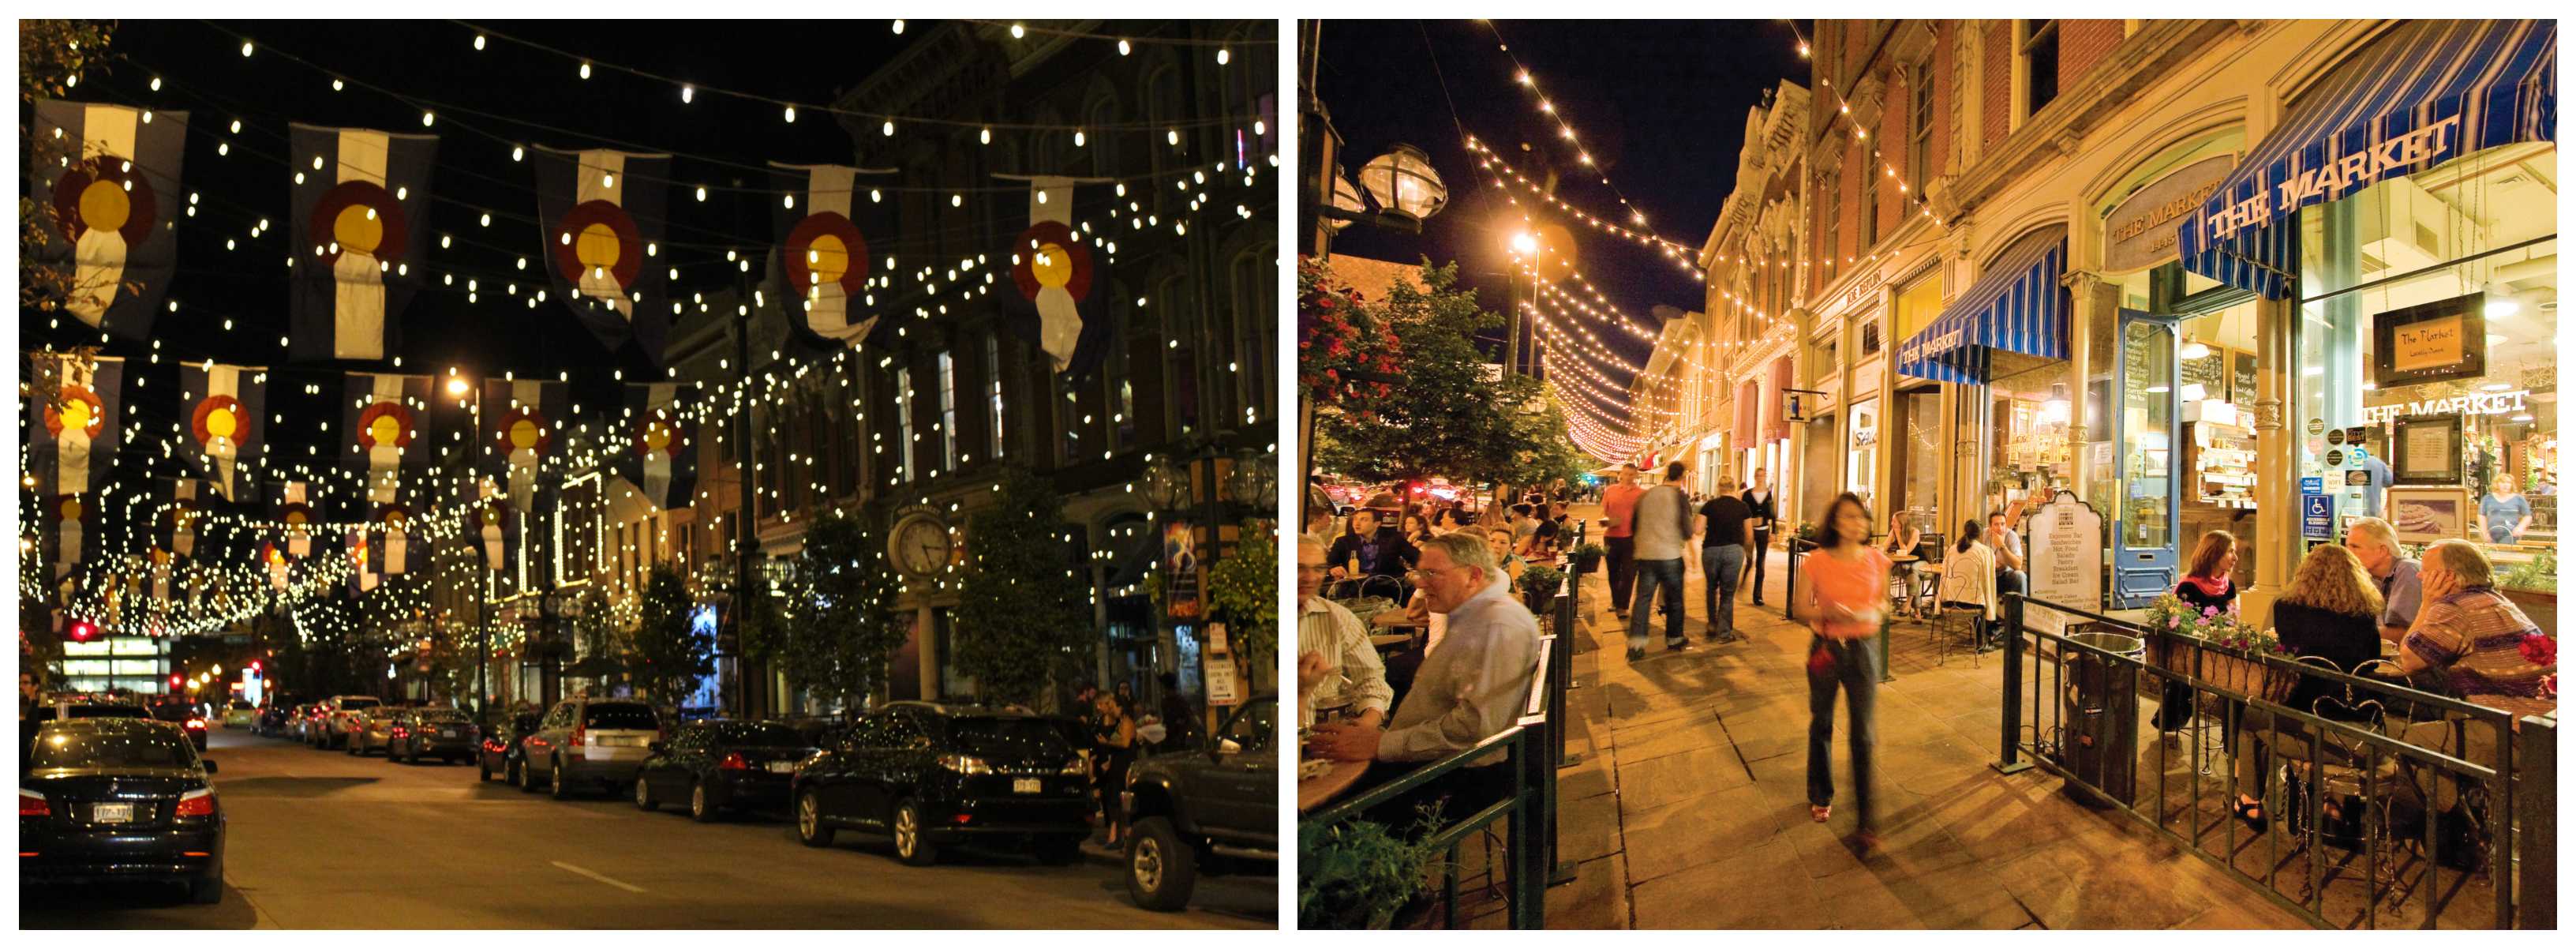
(2209, 611)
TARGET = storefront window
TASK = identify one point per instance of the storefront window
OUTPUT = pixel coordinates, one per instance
(1861, 476)
(2426, 385)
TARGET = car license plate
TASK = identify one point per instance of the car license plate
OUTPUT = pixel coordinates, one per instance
(783, 767)
(1025, 785)
(111, 813)
(621, 741)
(452, 732)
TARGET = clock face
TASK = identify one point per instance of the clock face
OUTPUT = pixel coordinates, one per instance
(920, 547)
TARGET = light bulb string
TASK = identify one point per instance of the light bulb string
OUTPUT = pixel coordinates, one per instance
(1125, 37)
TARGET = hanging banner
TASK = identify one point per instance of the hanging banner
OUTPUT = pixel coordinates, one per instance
(602, 211)
(822, 255)
(520, 422)
(176, 511)
(362, 571)
(661, 460)
(393, 526)
(492, 522)
(70, 526)
(1062, 287)
(291, 504)
(360, 230)
(385, 416)
(72, 445)
(111, 177)
(225, 411)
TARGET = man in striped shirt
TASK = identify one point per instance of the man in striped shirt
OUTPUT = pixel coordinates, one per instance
(1337, 669)
(2469, 640)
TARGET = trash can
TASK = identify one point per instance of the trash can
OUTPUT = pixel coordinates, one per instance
(2098, 735)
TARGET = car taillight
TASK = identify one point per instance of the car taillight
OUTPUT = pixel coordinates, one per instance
(399, 732)
(965, 764)
(580, 734)
(198, 724)
(32, 804)
(733, 761)
(1074, 766)
(197, 803)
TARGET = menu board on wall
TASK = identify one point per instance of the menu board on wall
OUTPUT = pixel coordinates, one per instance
(2209, 372)
(2432, 342)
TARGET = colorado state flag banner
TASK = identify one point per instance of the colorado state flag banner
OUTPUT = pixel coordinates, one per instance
(223, 408)
(1061, 286)
(601, 212)
(520, 422)
(660, 458)
(110, 178)
(291, 503)
(360, 229)
(494, 524)
(71, 440)
(823, 249)
(386, 416)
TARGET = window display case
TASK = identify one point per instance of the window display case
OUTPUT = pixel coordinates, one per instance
(2220, 445)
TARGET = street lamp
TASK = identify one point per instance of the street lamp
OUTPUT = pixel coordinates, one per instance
(1255, 481)
(1404, 186)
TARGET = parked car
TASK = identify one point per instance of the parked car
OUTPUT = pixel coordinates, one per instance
(346, 714)
(714, 765)
(272, 720)
(102, 799)
(588, 742)
(373, 732)
(240, 715)
(442, 733)
(1213, 810)
(501, 752)
(190, 721)
(927, 774)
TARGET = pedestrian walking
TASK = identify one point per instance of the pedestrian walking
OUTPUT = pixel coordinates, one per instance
(1844, 601)
(1619, 508)
(1766, 517)
(1114, 738)
(1729, 534)
(1663, 525)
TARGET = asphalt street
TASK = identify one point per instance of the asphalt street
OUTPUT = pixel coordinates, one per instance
(321, 840)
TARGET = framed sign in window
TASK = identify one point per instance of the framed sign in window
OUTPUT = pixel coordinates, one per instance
(2432, 342)
(2425, 449)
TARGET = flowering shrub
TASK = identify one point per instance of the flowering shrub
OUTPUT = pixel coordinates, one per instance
(1336, 336)
(2540, 648)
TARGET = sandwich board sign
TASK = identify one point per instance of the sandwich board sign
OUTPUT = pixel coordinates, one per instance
(2065, 560)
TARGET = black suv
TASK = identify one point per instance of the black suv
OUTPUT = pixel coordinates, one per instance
(1214, 808)
(926, 773)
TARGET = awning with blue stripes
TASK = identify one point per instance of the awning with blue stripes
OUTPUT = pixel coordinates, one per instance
(2424, 92)
(2019, 305)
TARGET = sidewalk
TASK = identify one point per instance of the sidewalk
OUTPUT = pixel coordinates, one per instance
(1688, 808)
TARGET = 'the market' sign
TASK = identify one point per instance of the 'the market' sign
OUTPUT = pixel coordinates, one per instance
(2473, 403)
(2139, 227)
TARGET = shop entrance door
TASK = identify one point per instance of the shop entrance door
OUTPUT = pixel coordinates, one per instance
(2144, 554)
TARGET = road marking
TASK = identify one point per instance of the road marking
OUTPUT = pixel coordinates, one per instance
(628, 887)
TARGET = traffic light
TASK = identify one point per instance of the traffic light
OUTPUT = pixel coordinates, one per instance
(83, 630)
(254, 665)
(177, 680)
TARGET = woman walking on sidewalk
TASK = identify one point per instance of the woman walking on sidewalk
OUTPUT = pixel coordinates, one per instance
(1844, 601)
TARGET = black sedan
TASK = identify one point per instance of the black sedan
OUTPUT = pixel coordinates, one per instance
(926, 774)
(105, 799)
(717, 765)
(187, 718)
(442, 733)
(500, 752)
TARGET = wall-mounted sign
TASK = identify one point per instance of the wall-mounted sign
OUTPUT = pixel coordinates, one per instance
(2427, 451)
(2141, 227)
(2316, 516)
(2444, 339)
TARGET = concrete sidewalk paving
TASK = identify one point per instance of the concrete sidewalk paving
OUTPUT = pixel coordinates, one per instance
(1688, 808)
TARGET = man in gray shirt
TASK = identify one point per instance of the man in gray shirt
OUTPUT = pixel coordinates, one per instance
(2374, 543)
(1663, 523)
(1470, 688)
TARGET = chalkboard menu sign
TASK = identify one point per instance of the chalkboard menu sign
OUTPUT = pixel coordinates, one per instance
(2240, 382)
(2209, 371)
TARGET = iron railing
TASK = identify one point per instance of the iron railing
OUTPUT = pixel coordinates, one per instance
(2422, 791)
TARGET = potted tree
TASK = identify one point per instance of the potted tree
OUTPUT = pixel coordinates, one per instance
(1539, 584)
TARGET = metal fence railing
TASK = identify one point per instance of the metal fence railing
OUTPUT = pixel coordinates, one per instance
(2383, 807)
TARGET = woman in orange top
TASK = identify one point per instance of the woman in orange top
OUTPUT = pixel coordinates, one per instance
(1845, 601)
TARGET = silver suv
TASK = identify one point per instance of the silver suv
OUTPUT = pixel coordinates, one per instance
(598, 743)
(343, 716)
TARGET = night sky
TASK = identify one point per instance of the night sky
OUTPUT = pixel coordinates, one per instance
(1660, 105)
(530, 96)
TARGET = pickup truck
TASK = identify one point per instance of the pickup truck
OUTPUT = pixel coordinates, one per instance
(1212, 809)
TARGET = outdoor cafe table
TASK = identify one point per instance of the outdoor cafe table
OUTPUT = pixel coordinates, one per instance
(1323, 788)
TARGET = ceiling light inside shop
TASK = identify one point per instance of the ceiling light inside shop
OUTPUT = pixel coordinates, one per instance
(2159, 389)
(2495, 339)
(2195, 350)
(2500, 307)
(2524, 417)
(2496, 386)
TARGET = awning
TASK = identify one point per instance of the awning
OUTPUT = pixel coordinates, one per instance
(2422, 93)
(2019, 306)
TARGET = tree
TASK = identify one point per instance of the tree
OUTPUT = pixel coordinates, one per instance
(1453, 414)
(1022, 615)
(845, 625)
(671, 653)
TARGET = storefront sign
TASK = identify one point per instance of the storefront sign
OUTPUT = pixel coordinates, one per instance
(2316, 515)
(2065, 559)
(1864, 287)
(2470, 403)
(1180, 570)
(2334, 177)
(2317, 426)
(1223, 688)
(2141, 228)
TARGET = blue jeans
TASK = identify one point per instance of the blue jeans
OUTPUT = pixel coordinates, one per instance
(1854, 671)
(1651, 574)
(1724, 566)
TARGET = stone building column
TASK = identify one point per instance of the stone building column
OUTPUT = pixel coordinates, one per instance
(2095, 300)
(2275, 547)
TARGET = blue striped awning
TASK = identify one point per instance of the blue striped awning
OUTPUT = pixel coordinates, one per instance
(2424, 92)
(2019, 305)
